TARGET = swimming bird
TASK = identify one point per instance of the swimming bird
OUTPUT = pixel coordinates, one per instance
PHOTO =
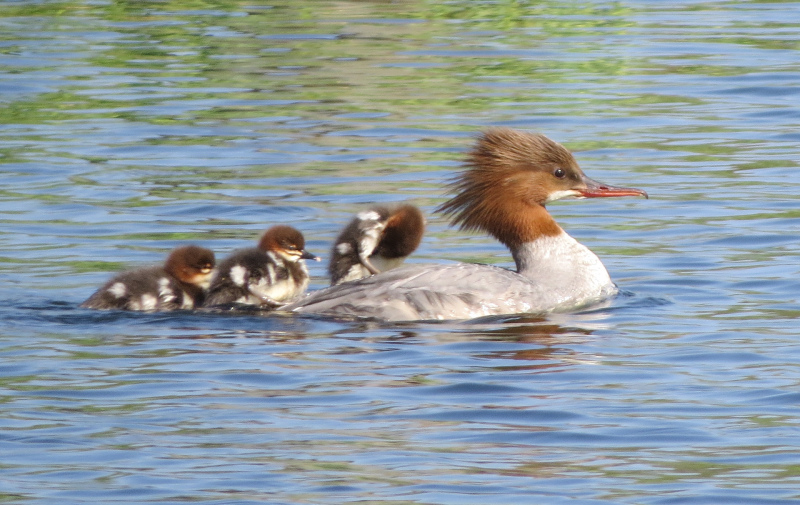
(179, 284)
(508, 179)
(375, 240)
(267, 276)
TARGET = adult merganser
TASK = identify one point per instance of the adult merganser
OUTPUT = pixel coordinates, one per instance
(179, 284)
(376, 240)
(509, 178)
(268, 275)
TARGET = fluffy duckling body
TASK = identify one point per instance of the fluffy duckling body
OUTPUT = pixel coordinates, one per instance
(266, 276)
(179, 284)
(376, 240)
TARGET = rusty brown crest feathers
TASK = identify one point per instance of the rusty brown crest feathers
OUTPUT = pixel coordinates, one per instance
(501, 190)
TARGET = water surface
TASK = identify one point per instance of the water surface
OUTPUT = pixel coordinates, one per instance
(128, 129)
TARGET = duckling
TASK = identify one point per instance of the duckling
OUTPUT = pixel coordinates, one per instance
(376, 240)
(268, 275)
(179, 284)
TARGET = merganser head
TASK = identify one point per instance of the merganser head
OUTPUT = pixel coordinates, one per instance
(288, 243)
(510, 175)
(191, 264)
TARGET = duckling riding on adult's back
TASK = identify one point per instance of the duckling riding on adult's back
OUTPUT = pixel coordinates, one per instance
(509, 177)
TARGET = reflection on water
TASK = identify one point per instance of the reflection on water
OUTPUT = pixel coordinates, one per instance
(127, 129)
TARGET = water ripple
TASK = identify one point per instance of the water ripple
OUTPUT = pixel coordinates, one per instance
(128, 131)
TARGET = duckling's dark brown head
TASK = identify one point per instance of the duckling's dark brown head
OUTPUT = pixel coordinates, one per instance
(191, 264)
(286, 242)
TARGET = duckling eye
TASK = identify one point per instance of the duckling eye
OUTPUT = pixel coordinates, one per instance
(560, 173)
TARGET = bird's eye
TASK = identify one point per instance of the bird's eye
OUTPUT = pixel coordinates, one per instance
(560, 173)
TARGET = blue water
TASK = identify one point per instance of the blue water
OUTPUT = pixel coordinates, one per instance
(126, 130)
